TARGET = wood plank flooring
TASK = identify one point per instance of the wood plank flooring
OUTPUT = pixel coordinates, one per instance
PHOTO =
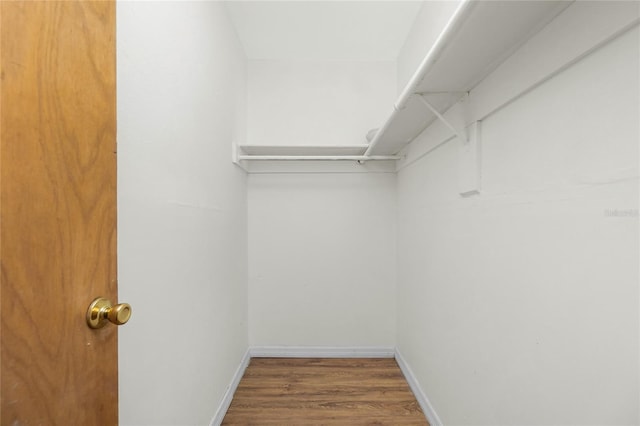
(324, 391)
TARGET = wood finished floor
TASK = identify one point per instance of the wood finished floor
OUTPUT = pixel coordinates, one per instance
(324, 391)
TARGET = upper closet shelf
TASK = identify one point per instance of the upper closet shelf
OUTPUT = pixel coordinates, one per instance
(479, 36)
(306, 152)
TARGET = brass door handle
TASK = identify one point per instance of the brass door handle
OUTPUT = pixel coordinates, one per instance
(101, 311)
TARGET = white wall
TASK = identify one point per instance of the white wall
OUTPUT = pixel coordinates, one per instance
(322, 260)
(321, 246)
(517, 306)
(520, 305)
(182, 210)
(317, 103)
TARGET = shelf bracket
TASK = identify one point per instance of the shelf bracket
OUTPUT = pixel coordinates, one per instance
(460, 133)
(235, 156)
(469, 171)
(469, 167)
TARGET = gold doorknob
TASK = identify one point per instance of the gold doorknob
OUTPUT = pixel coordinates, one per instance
(101, 311)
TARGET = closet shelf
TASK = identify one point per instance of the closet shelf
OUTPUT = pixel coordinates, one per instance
(479, 36)
(307, 152)
(302, 150)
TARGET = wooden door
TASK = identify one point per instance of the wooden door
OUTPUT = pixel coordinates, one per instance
(57, 211)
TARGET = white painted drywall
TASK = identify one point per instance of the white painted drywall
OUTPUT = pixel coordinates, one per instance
(520, 305)
(428, 24)
(323, 30)
(181, 210)
(317, 103)
(322, 260)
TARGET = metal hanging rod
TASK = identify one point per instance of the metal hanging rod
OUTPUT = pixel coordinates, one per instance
(362, 158)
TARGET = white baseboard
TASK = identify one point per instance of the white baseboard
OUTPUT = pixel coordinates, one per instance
(321, 352)
(426, 406)
(231, 390)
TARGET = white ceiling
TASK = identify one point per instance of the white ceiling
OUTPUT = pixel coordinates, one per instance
(323, 30)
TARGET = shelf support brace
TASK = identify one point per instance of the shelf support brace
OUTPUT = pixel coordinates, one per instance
(469, 167)
(469, 170)
(235, 156)
(460, 133)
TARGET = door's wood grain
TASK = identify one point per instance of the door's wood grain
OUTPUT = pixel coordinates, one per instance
(307, 391)
(57, 211)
